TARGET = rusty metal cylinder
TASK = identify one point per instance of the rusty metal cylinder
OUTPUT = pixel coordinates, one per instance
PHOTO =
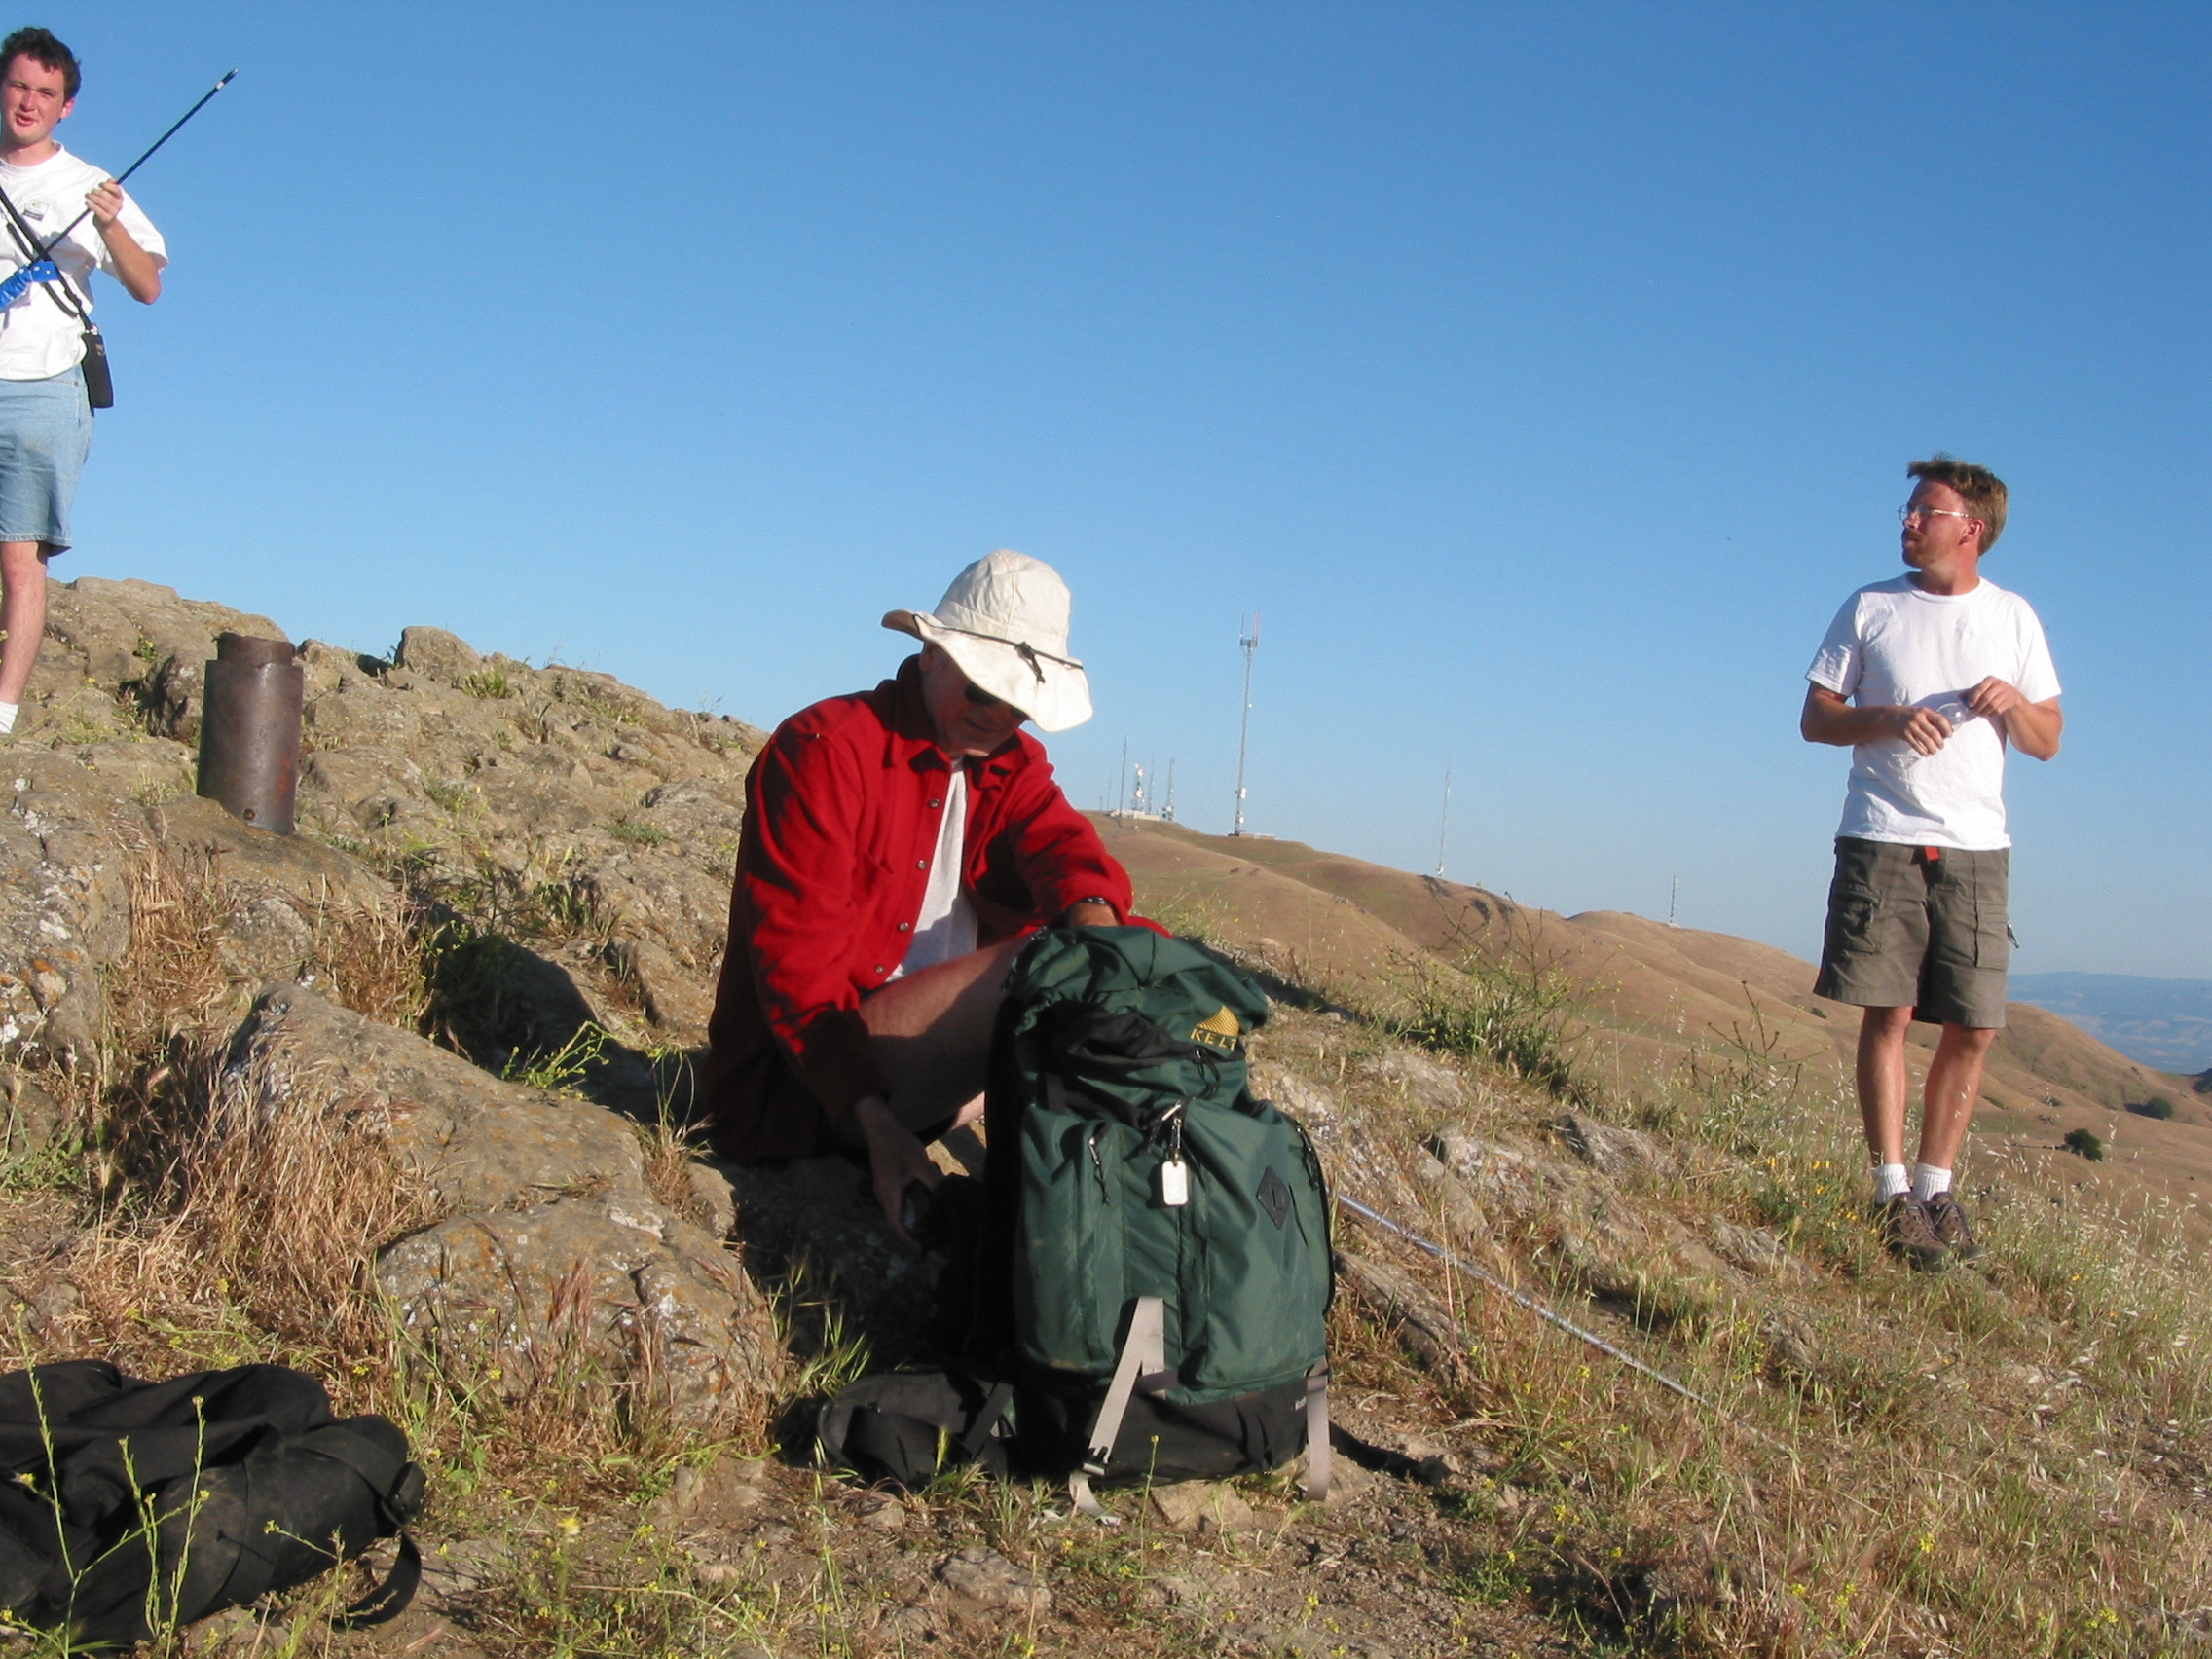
(249, 729)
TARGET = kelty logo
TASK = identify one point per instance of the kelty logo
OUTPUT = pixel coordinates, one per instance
(1218, 1030)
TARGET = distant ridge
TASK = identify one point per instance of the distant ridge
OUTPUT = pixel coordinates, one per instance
(2166, 1024)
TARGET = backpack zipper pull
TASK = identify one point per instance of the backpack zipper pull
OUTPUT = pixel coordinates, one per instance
(1091, 1141)
(1174, 1174)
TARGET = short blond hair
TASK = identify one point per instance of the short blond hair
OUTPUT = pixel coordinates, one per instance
(1982, 491)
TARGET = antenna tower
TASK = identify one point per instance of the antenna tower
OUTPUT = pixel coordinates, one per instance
(1167, 807)
(1444, 822)
(1249, 637)
(1673, 891)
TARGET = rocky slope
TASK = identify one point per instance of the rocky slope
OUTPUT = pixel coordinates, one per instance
(464, 1001)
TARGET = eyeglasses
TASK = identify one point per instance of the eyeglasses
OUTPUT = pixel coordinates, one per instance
(982, 699)
(1907, 513)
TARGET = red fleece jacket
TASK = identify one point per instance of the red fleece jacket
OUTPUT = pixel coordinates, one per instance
(841, 817)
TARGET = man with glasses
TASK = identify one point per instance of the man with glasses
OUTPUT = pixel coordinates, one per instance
(898, 847)
(1926, 679)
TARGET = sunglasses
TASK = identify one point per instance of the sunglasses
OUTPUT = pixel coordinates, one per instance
(982, 699)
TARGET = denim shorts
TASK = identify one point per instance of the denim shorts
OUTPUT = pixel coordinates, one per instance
(1921, 928)
(46, 429)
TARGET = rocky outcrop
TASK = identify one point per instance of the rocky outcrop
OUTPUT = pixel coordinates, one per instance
(550, 803)
(553, 1256)
(572, 840)
(1580, 1220)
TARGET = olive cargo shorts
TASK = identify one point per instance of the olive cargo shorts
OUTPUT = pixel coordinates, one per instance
(1918, 927)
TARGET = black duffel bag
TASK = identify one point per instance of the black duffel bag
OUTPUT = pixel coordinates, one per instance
(129, 1507)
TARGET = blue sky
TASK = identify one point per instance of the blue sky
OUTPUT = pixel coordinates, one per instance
(1543, 376)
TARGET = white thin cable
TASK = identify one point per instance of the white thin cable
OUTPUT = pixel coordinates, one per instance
(1524, 1300)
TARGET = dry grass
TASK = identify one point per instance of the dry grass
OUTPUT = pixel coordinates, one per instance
(233, 1214)
(2004, 1462)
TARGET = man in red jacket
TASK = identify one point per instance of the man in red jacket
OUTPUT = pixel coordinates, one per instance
(898, 845)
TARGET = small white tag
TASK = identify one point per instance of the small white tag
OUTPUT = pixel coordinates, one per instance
(1175, 1184)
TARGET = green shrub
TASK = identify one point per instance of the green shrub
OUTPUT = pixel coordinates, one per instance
(1512, 1015)
(2157, 1106)
(488, 683)
(2085, 1142)
(636, 833)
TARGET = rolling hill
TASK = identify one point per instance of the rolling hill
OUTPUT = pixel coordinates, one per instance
(1648, 998)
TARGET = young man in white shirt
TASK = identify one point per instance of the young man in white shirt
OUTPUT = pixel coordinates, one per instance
(1926, 677)
(46, 421)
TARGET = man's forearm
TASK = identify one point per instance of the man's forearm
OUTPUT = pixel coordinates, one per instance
(134, 268)
(2034, 728)
(1827, 719)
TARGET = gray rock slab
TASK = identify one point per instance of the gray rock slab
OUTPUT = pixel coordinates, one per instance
(557, 1261)
(1418, 1078)
(985, 1576)
(438, 655)
(476, 1142)
(1610, 1150)
(1204, 1506)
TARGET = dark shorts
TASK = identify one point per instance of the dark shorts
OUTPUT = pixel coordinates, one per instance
(1920, 928)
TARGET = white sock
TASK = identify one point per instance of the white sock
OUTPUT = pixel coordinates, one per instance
(1928, 1181)
(1890, 1180)
(8, 716)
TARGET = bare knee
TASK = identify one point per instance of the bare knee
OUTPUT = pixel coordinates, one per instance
(1968, 1041)
(1883, 1027)
(23, 562)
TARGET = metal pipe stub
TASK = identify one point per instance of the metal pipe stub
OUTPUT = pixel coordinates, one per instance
(249, 729)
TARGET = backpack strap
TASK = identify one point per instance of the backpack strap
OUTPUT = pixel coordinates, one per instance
(1317, 1432)
(1144, 1351)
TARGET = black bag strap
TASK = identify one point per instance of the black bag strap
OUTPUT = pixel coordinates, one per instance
(978, 1432)
(27, 244)
(388, 1600)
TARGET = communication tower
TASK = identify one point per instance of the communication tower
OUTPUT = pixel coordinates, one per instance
(1249, 637)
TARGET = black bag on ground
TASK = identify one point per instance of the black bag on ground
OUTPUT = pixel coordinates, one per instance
(907, 1428)
(129, 1506)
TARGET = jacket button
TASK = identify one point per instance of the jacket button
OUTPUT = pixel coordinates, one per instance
(935, 804)
(903, 927)
(921, 863)
(879, 967)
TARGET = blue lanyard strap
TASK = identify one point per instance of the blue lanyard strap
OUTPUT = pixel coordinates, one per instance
(20, 284)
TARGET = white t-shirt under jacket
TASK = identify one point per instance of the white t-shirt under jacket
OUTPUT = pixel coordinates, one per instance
(945, 927)
(1892, 645)
(38, 339)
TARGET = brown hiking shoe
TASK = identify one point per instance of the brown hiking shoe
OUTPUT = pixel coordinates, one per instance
(1947, 1219)
(1910, 1236)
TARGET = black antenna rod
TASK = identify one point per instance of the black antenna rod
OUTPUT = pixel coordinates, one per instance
(55, 240)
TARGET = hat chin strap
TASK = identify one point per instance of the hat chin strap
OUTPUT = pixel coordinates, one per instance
(1029, 652)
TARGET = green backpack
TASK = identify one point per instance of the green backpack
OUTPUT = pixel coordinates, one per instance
(1168, 1234)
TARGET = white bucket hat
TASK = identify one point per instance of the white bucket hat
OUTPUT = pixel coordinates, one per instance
(1003, 621)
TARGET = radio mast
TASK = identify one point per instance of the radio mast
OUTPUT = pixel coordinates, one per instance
(1443, 822)
(1247, 636)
